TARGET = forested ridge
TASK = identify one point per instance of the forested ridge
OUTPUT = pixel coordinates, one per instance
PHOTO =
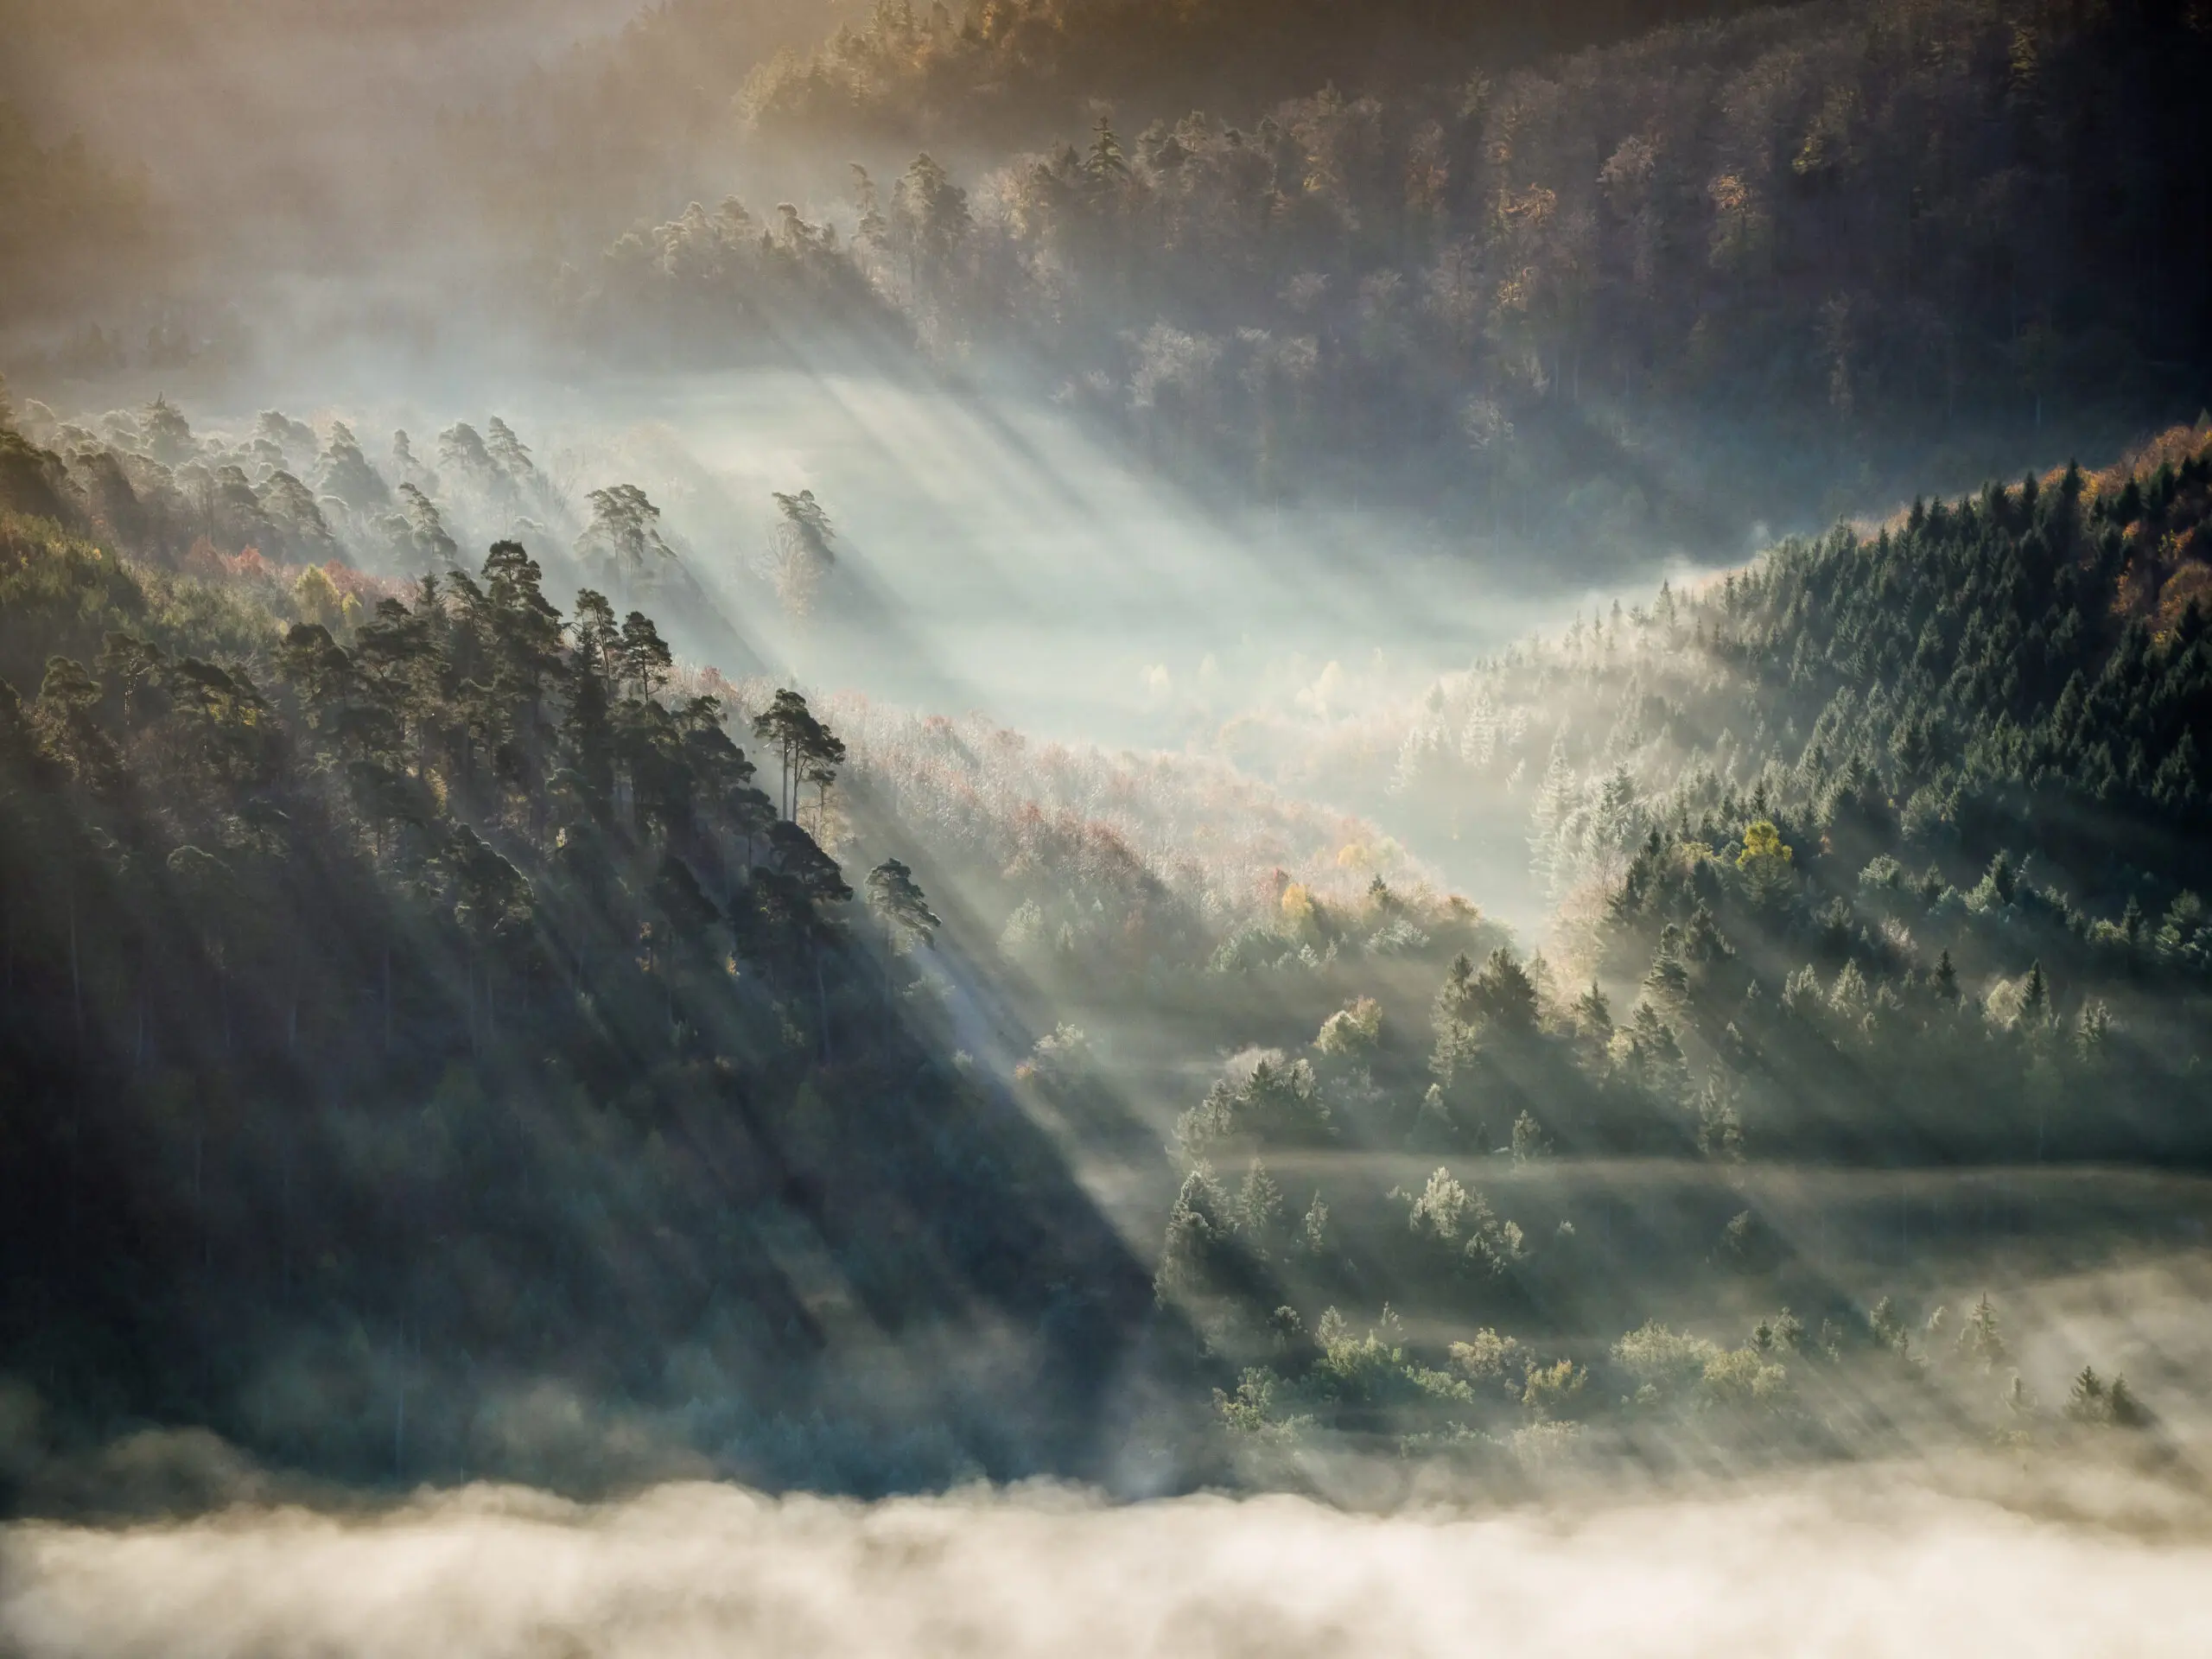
(997, 70)
(1643, 278)
(688, 86)
(1948, 768)
(1642, 295)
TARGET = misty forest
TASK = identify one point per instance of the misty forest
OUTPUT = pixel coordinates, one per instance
(1100, 825)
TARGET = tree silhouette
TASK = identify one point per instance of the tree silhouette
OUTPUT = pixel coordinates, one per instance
(894, 897)
(623, 543)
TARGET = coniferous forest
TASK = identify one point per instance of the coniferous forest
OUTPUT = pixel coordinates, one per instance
(1404, 785)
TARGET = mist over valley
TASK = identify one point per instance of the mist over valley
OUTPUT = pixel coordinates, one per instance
(1089, 825)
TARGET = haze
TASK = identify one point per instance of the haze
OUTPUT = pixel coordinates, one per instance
(1189, 828)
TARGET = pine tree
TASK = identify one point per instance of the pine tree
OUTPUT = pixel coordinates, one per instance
(1981, 1338)
(1946, 980)
(1501, 998)
(789, 725)
(2003, 882)
(623, 542)
(2087, 1402)
(894, 895)
(2122, 1409)
(1668, 981)
(1104, 163)
(1314, 1227)
(1259, 1207)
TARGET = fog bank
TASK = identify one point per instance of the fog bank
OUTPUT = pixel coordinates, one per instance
(1855, 1565)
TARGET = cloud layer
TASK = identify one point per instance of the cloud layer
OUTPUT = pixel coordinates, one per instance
(1856, 1565)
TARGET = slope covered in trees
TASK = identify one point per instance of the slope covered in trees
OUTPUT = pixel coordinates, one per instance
(428, 1050)
(1926, 796)
(1886, 851)
(1760, 267)
(1746, 265)
(690, 91)
(434, 1045)
(996, 70)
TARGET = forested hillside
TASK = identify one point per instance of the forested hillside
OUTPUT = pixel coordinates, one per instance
(428, 1050)
(1821, 812)
(1628, 278)
(690, 90)
(998, 70)
(1642, 296)
(1886, 851)
(434, 1045)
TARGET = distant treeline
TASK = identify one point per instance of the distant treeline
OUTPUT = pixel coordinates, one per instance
(1762, 266)
(1000, 68)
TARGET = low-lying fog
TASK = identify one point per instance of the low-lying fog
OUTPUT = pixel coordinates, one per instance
(1862, 1565)
(2066, 1553)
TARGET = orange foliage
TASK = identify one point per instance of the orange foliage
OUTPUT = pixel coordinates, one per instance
(2191, 581)
(2176, 444)
(208, 563)
(1158, 843)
